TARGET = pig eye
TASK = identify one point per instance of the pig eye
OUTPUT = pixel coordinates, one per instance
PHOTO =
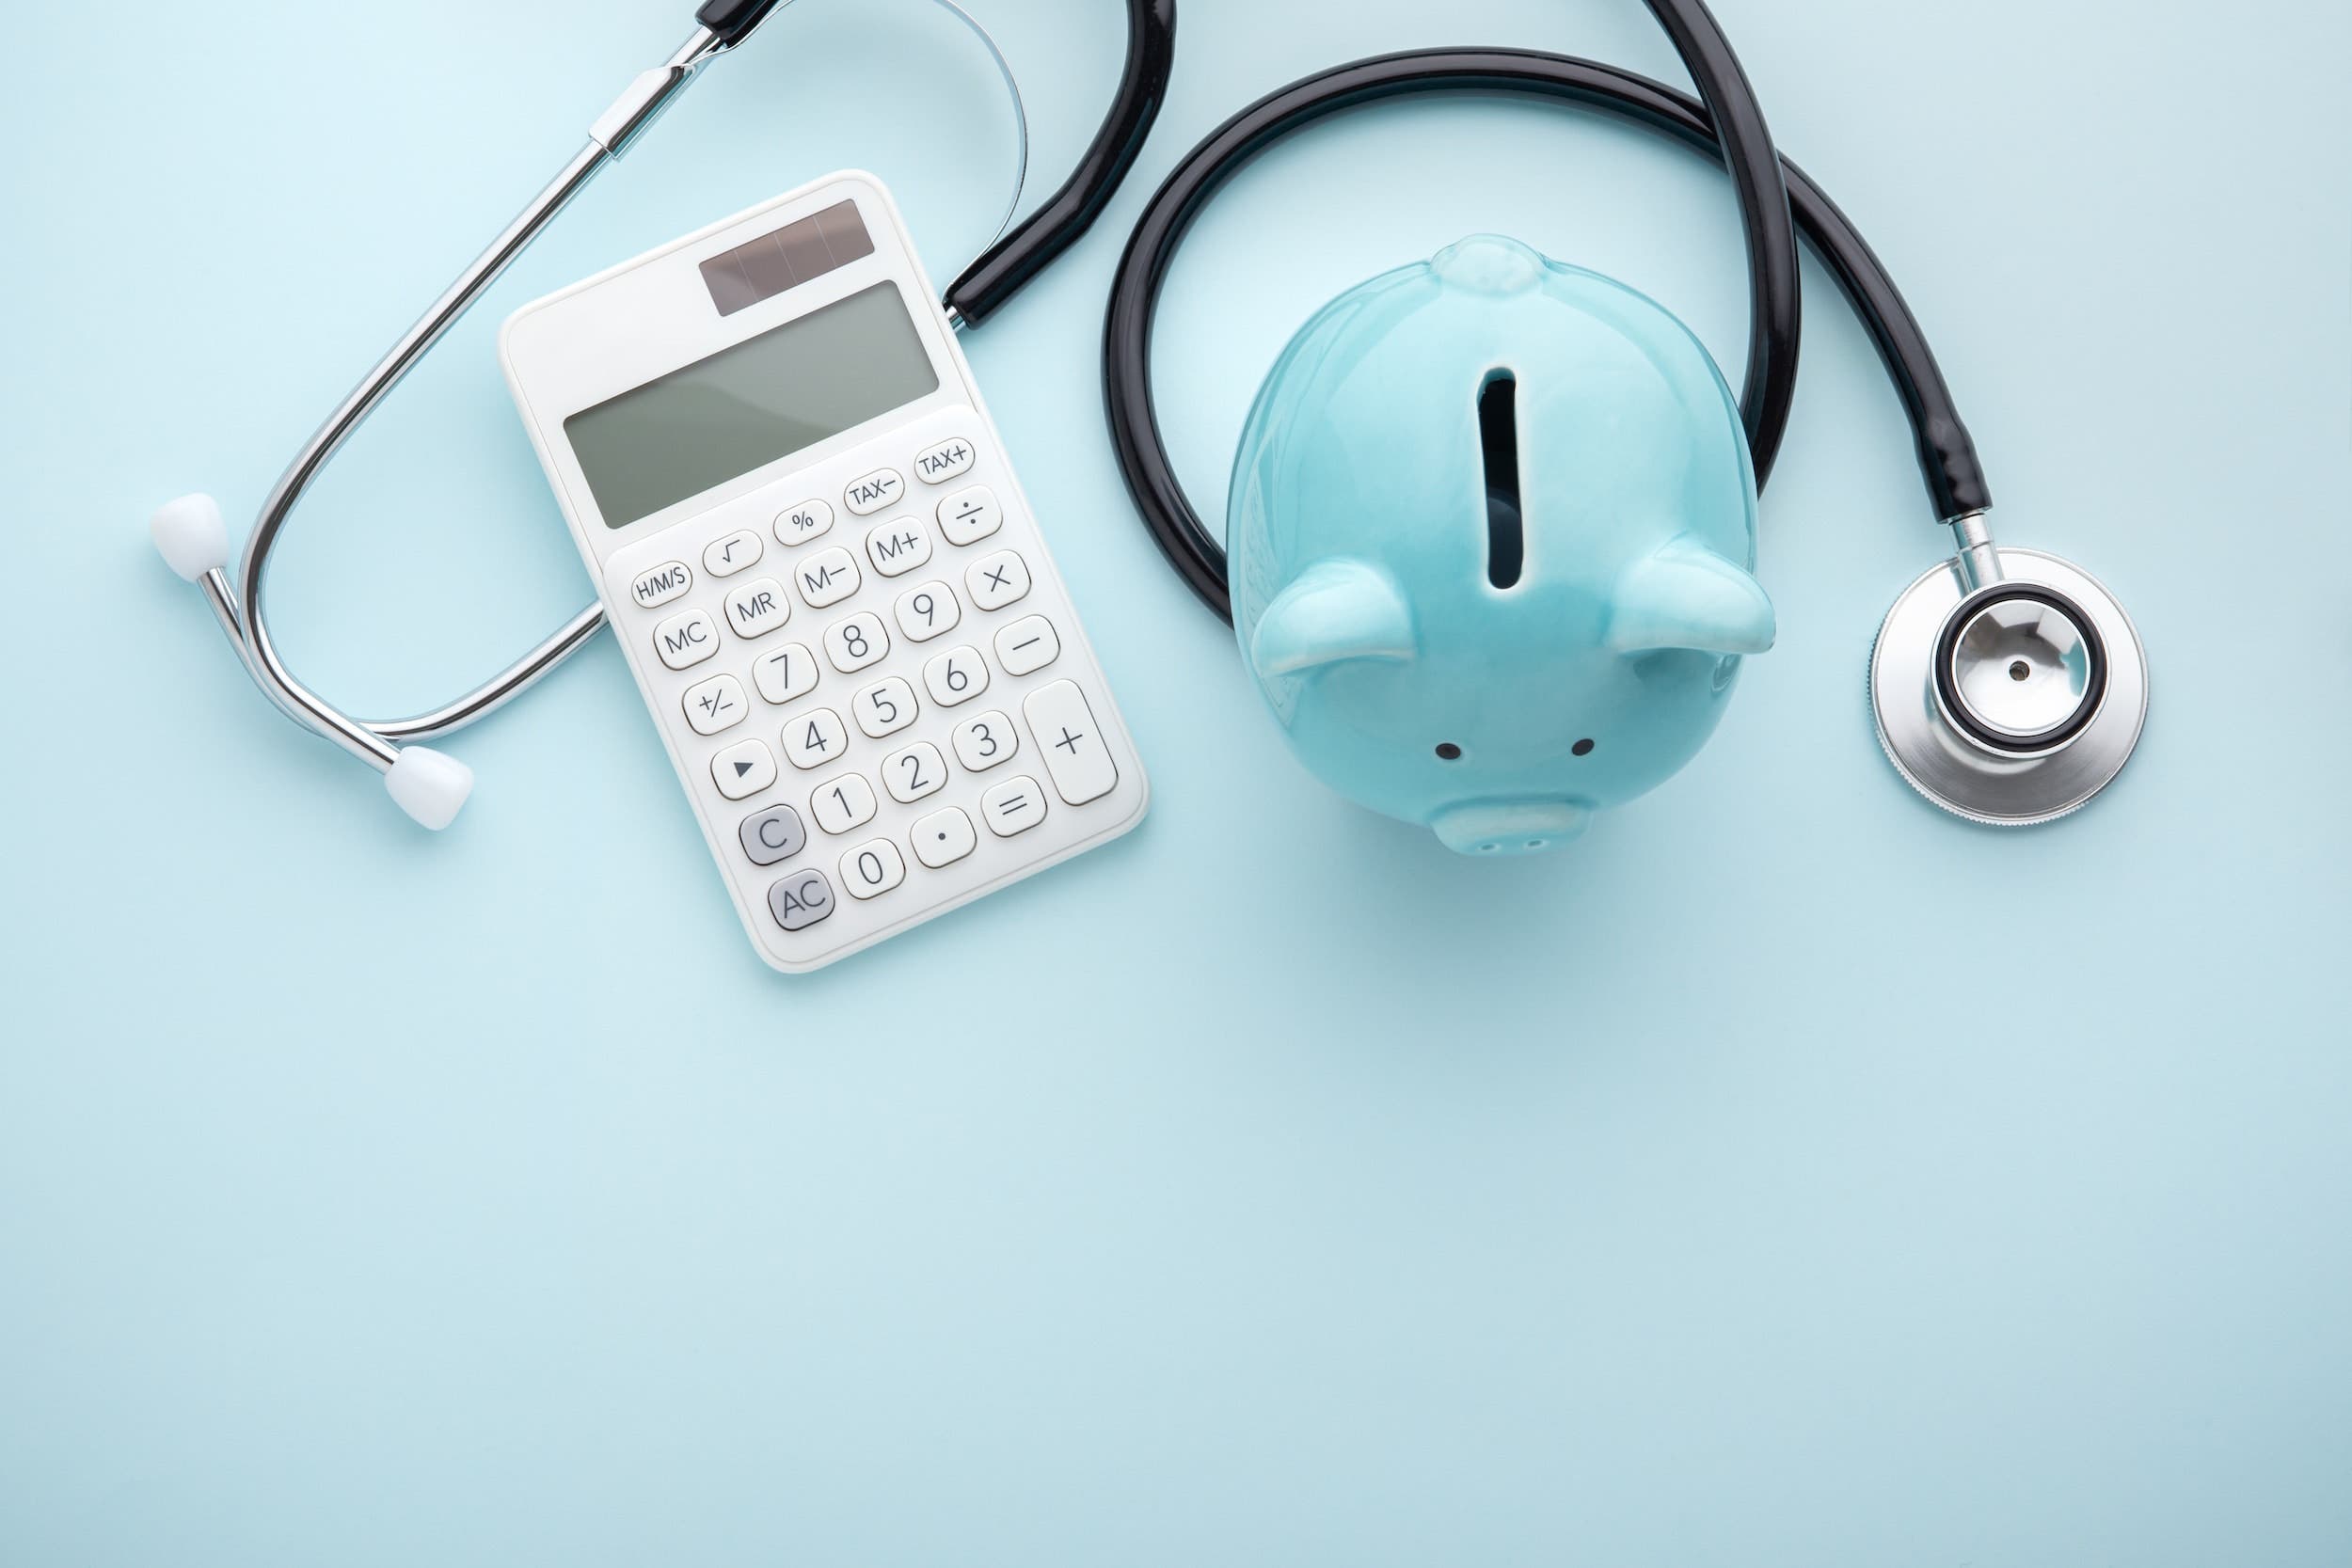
(1448, 752)
(1582, 748)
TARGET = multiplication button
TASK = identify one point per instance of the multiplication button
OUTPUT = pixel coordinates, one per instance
(1001, 579)
(945, 461)
(1065, 730)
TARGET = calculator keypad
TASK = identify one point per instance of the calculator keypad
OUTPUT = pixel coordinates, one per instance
(852, 764)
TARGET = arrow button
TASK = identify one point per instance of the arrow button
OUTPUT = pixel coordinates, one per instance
(743, 768)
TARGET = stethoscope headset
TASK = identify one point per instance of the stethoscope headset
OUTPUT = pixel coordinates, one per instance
(2009, 687)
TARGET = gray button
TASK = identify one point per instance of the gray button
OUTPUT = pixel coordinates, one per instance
(800, 901)
(771, 835)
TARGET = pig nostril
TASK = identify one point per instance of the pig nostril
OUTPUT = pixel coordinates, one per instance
(1535, 844)
(1448, 752)
(1582, 748)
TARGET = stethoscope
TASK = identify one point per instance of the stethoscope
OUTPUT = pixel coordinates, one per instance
(2008, 685)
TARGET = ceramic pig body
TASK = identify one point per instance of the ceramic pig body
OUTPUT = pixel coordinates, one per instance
(1492, 533)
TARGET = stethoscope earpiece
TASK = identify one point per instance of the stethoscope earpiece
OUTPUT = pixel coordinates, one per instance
(2009, 686)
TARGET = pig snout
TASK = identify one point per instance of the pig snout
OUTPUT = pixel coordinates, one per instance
(1509, 827)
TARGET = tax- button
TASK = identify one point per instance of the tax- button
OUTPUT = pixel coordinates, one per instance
(684, 640)
(758, 607)
(1065, 730)
(875, 491)
(800, 902)
(743, 768)
(945, 461)
(662, 584)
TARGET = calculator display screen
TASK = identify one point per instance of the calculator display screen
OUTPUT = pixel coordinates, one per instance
(744, 407)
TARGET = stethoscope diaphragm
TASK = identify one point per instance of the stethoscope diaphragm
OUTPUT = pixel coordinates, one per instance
(2009, 702)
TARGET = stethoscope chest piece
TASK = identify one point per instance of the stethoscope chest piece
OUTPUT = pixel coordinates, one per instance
(2009, 686)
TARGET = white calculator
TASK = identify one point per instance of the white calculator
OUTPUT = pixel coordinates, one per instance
(823, 574)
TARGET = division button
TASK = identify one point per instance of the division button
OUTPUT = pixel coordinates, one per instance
(943, 838)
(800, 901)
(1014, 806)
(1064, 729)
(971, 515)
(743, 769)
(772, 835)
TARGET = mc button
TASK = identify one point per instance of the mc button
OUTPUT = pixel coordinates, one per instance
(684, 640)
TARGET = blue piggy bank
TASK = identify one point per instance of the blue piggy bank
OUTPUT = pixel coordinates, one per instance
(1492, 531)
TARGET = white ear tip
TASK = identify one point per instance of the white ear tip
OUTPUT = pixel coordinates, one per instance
(429, 785)
(191, 535)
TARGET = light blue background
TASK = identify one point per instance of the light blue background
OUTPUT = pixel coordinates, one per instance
(1788, 1175)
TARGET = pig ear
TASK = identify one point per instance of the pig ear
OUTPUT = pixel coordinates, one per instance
(1685, 595)
(1332, 612)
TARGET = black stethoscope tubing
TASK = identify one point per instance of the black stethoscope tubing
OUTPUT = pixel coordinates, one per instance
(1954, 478)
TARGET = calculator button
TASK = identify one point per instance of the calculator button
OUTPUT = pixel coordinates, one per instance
(1001, 579)
(955, 676)
(840, 804)
(743, 768)
(899, 548)
(798, 525)
(945, 461)
(758, 607)
(873, 869)
(814, 738)
(1014, 806)
(986, 742)
(662, 584)
(875, 491)
(785, 674)
(1065, 730)
(1029, 643)
(826, 578)
(800, 902)
(684, 641)
(856, 643)
(943, 838)
(971, 515)
(926, 610)
(884, 707)
(716, 705)
(728, 556)
(772, 835)
(917, 772)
